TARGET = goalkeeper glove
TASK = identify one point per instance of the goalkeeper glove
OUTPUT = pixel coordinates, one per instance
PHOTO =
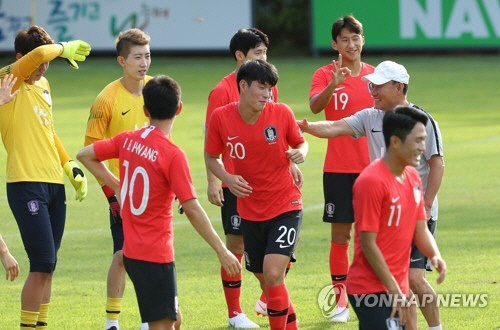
(77, 179)
(75, 50)
(113, 202)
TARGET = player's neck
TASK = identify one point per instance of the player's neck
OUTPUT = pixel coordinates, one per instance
(248, 114)
(394, 165)
(164, 125)
(132, 85)
(238, 65)
(354, 66)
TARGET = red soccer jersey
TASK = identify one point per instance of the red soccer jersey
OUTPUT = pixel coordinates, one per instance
(344, 154)
(152, 170)
(391, 209)
(258, 154)
(225, 92)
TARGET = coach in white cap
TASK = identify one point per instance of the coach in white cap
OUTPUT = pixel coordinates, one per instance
(389, 87)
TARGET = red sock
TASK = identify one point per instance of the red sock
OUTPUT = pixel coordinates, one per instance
(291, 319)
(339, 266)
(263, 295)
(277, 306)
(232, 290)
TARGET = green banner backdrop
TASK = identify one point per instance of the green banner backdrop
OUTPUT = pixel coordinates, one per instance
(412, 24)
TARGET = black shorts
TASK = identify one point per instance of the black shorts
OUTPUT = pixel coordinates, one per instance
(116, 232)
(278, 235)
(231, 220)
(337, 191)
(155, 287)
(373, 311)
(40, 211)
(417, 259)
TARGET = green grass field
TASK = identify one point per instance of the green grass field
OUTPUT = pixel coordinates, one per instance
(459, 91)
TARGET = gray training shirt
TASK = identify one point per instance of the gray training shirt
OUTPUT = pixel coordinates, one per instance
(368, 122)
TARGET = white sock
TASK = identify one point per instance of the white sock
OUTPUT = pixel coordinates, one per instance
(111, 323)
(437, 327)
(145, 326)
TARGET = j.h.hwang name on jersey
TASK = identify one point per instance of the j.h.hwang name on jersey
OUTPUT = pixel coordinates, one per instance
(141, 150)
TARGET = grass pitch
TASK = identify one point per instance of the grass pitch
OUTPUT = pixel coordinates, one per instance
(460, 92)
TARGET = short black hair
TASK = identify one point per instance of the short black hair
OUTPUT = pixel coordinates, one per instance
(162, 96)
(400, 122)
(258, 70)
(348, 22)
(246, 39)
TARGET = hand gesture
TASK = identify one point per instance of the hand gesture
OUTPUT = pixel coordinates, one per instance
(339, 73)
(76, 50)
(6, 85)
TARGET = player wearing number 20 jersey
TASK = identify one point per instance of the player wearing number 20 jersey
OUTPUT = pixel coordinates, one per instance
(155, 170)
(258, 155)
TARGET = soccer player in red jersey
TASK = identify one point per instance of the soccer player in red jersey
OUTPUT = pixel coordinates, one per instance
(245, 45)
(338, 89)
(389, 211)
(153, 170)
(257, 135)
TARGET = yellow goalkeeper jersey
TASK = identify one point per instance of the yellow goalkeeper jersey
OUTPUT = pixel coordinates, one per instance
(114, 111)
(27, 125)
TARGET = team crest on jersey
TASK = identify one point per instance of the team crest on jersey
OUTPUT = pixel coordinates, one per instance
(417, 194)
(329, 209)
(235, 221)
(46, 96)
(270, 133)
(33, 207)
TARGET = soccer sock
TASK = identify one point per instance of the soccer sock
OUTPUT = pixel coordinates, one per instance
(278, 301)
(291, 319)
(339, 265)
(113, 306)
(263, 295)
(437, 327)
(28, 320)
(232, 290)
(43, 317)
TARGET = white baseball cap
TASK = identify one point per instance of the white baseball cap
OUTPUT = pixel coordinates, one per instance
(387, 71)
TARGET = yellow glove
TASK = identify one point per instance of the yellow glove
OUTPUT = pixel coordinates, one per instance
(77, 179)
(75, 50)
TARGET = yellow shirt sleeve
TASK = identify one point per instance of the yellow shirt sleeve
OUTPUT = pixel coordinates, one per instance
(63, 155)
(24, 67)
